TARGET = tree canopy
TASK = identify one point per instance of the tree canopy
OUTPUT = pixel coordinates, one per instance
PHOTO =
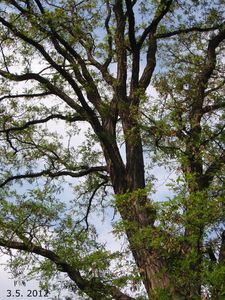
(93, 95)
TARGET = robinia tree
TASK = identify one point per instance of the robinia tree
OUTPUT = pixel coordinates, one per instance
(94, 94)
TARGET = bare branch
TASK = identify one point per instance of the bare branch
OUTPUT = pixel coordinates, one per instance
(109, 35)
(83, 172)
(9, 96)
(10, 143)
(41, 8)
(131, 21)
(85, 218)
(150, 65)
(211, 56)
(69, 118)
(185, 30)
(161, 11)
(211, 108)
(211, 254)
(215, 166)
(4, 58)
(222, 249)
(46, 83)
(120, 49)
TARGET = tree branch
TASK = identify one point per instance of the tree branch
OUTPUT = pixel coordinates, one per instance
(222, 249)
(120, 50)
(211, 108)
(84, 110)
(185, 30)
(93, 288)
(215, 166)
(9, 96)
(202, 80)
(49, 59)
(131, 21)
(109, 36)
(41, 8)
(216, 88)
(211, 254)
(91, 90)
(83, 172)
(211, 57)
(85, 218)
(150, 65)
(54, 90)
(68, 118)
(161, 11)
(70, 54)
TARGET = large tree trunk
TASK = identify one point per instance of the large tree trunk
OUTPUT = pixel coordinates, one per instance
(136, 211)
(151, 266)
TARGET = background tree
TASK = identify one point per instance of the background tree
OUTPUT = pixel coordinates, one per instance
(92, 63)
(190, 130)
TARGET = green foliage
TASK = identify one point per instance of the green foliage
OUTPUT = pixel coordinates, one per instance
(81, 131)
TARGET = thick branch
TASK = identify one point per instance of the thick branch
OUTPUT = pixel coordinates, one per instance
(161, 11)
(222, 249)
(211, 108)
(120, 50)
(41, 8)
(34, 95)
(101, 67)
(83, 172)
(135, 51)
(109, 36)
(150, 65)
(69, 118)
(150, 31)
(215, 166)
(185, 30)
(203, 78)
(131, 21)
(211, 57)
(91, 89)
(47, 84)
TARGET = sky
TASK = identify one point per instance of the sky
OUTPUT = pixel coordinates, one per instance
(11, 289)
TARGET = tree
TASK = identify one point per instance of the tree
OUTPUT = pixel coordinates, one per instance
(92, 62)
